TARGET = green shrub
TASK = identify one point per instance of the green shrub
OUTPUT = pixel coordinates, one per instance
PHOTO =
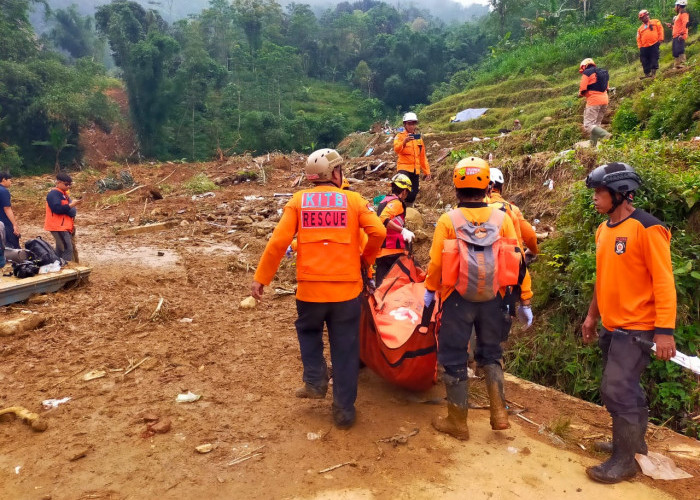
(199, 184)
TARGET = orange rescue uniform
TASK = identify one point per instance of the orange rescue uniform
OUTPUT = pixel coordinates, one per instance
(593, 97)
(58, 222)
(650, 33)
(680, 25)
(327, 221)
(445, 231)
(392, 209)
(635, 289)
(411, 157)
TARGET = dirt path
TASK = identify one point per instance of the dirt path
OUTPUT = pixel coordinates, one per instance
(245, 365)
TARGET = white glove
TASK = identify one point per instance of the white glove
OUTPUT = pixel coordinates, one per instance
(428, 298)
(407, 235)
(525, 316)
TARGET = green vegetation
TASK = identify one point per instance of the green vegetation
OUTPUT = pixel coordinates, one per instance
(199, 184)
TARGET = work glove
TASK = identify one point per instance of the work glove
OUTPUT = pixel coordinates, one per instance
(525, 316)
(428, 298)
(289, 252)
(407, 235)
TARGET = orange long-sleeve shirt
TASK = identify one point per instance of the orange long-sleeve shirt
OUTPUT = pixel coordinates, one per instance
(476, 212)
(593, 97)
(650, 33)
(680, 25)
(327, 222)
(635, 289)
(411, 157)
(392, 209)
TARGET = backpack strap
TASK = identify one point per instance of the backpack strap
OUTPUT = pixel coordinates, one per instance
(457, 218)
(497, 216)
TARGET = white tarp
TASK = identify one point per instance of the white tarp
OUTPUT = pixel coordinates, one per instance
(469, 114)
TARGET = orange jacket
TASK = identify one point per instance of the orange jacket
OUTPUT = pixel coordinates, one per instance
(58, 211)
(411, 157)
(680, 25)
(393, 209)
(476, 213)
(649, 34)
(635, 289)
(327, 222)
(593, 97)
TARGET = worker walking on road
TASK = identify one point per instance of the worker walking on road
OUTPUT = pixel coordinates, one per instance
(392, 213)
(649, 37)
(327, 221)
(468, 299)
(412, 160)
(635, 296)
(680, 33)
(594, 87)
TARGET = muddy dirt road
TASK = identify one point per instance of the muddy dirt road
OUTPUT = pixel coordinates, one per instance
(245, 365)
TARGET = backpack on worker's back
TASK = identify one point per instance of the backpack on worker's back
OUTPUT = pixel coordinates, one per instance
(42, 253)
(602, 79)
(480, 261)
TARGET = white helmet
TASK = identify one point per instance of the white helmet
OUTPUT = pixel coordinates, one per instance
(320, 164)
(496, 176)
(410, 117)
(682, 3)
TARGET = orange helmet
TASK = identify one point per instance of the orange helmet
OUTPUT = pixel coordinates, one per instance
(472, 172)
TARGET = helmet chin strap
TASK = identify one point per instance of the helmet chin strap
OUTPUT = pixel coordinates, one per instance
(618, 199)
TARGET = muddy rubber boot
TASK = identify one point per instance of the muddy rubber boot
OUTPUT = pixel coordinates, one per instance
(683, 60)
(455, 423)
(311, 392)
(497, 400)
(607, 446)
(598, 134)
(621, 465)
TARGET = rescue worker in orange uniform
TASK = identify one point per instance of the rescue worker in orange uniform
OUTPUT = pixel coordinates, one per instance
(327, 222)
(392, 213)
(635, 297)
(680, 33)
(595, 90)
(649, 37)
(60, 215)
(527, 239)
(410, 150)
(471, 180)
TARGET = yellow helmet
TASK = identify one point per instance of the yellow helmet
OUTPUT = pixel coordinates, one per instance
(585, 63)
(320, 164)
(402, 181)
(472, 172)
(345, 184)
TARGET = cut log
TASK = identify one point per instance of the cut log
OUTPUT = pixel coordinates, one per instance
(22, 324)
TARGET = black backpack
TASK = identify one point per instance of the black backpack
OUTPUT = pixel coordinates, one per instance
(25, 269)
(42, 252)
(602, 79)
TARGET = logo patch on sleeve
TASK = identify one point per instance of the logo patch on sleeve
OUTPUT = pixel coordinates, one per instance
(620, 245)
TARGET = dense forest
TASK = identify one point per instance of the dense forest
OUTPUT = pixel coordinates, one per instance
(251, 75)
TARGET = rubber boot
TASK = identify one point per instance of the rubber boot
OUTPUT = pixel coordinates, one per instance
(597, 134)
(621, 465)
(497, 400)
(683, 60)
(642, 449)
(455, 423)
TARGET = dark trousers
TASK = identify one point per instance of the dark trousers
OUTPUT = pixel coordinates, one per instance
(458, 318)
(678, 46)
(383, 266)
(11, 239)
(623, 363)
(64, 244)
(415, 185)
(649, 56)
(343, 322)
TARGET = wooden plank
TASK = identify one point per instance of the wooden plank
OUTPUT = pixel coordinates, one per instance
(148, 228)
(16, 290)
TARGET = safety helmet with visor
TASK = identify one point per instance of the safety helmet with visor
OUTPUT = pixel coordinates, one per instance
(682, 3)
(402, 181)
(643, 13)
(471, 172)
(321, 163)
(496, 176)
(618, 178)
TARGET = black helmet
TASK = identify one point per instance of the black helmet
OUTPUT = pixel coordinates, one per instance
(617, 177)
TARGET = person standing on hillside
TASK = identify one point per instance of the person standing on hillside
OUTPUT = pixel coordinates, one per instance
(392, 213)
(470, 300)
(7, 215)
(327, 221)
(649, 37)
(594, 87)
(635, 297)
(412, 160)
(680, 33)
(60, 215)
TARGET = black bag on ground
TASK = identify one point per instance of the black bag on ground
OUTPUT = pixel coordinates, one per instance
(43, 252)
(25, 269)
